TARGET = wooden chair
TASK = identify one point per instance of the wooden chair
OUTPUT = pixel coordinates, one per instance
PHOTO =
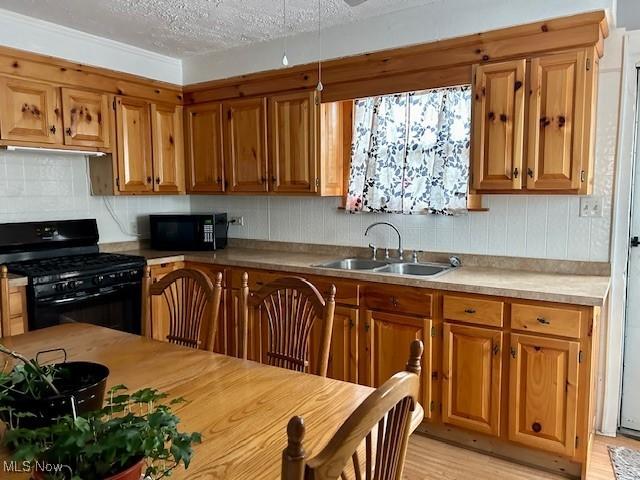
(291, 305)
(372, 443)
(193, 306)
(5, 315)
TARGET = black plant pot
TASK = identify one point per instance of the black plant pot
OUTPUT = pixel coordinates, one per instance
(84, 381)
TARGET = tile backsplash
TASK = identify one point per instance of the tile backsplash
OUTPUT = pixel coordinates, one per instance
(45, 186)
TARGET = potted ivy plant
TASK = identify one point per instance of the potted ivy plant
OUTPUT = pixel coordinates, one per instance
(132, 435)
(33, 395)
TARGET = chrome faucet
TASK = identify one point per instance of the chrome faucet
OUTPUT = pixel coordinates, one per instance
(400, 250)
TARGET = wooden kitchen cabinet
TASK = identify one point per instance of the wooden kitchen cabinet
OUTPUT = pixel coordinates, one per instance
(86, 118)
(292, 140)
(168, 148)
(134, 152)
(245, 141)
(385, 346)
(543, 393)
(159, 308)
(30, 111)
(498, 125)
(560, 123)
(204, 148)
(343, 354)
(472, 378)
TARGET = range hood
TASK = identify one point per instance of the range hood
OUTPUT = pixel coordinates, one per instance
(17, 148)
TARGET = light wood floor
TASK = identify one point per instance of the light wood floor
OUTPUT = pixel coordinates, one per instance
(429, 459)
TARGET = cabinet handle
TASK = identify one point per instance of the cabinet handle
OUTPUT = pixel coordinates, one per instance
(148, 179)
(158, 180)
(496, 349)
(52, 129)
(543, 321)
(68, 130)
(530, 172)
(394, 301)
(470, 311)
(516, 172)
(536, 427)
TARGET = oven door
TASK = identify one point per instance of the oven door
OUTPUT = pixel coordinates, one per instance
(117, 307)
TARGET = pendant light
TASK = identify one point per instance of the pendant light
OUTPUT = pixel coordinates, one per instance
(319, 87)
(285, 60)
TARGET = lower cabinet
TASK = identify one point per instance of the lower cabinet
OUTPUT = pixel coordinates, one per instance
(472, 377)
(543, 393)
(386, 343)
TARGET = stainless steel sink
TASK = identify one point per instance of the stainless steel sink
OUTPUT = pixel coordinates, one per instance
(379, 266)
(413, 269)
(354, 264)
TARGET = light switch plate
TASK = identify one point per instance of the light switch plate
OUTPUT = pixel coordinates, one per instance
(591, 206)
(237, 221)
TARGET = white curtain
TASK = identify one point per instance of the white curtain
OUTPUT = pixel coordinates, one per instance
(410, 152)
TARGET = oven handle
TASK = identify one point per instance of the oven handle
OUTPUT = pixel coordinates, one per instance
(61, 301)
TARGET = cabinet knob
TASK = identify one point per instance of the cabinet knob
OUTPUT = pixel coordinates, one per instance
(219, 180)
(68, 130)
(394, 301)
(53, 129)
(470, 311)
(516, 172)
(158, 180)
(530, 172)
(543, 321)
(148, 179)
(274, 179)
(536, 427)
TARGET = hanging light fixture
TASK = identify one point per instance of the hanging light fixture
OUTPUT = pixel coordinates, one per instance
(319, 87)
(285, 60)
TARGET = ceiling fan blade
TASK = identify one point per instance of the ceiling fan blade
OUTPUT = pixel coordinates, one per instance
(354, 3)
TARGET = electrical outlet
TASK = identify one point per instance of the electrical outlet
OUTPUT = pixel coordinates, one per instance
(591, 206)
(237, 221)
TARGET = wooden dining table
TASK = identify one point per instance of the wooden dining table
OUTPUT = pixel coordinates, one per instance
(240, 407)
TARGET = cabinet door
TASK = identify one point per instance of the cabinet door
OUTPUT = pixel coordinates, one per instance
(86, 118)
(205, 165)
(386, 351)
(471, 379)
(246, 145)
(30, 112)
(133, 133)
(556, 121)
(498, 125)
(543, 393)
(168, 159)
(343, 355)
(292, 140)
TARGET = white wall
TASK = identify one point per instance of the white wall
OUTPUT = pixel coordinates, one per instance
(42, 186)
(435, 21)
(34, 35)
(516, 225)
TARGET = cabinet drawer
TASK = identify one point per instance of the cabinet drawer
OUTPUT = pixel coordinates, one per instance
(346, 292)
(398, 300)
(209, 270)
(15, 303)
(473, 310)
(564, 322)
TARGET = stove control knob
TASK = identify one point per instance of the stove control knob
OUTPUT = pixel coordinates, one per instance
(133, 273)
(58, 287)
(98, 280)
(72, 285)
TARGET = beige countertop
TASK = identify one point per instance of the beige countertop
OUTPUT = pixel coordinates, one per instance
(17, 280)
(552, 287)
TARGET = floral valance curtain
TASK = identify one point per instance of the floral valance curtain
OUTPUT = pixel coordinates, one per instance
(410, 152)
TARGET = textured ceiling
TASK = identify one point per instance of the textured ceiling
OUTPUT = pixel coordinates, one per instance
(182, 28)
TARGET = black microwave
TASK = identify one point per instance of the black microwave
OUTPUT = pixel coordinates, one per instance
(188, 231)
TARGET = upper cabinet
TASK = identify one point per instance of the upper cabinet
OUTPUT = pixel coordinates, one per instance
(498, 125)
(282, 144)
(292, 141)
(134, 157)
(86, 118)
(168, 148)
(204, 148)
(559, 127)
(246, 145)
(30, 112)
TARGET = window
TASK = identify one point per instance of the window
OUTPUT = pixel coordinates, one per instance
(410, 152)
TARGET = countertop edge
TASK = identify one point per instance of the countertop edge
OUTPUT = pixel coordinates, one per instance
(572, 299)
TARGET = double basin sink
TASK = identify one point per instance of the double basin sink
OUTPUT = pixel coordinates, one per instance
(388, 266)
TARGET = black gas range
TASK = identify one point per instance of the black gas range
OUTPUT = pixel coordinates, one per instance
(69, 279)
